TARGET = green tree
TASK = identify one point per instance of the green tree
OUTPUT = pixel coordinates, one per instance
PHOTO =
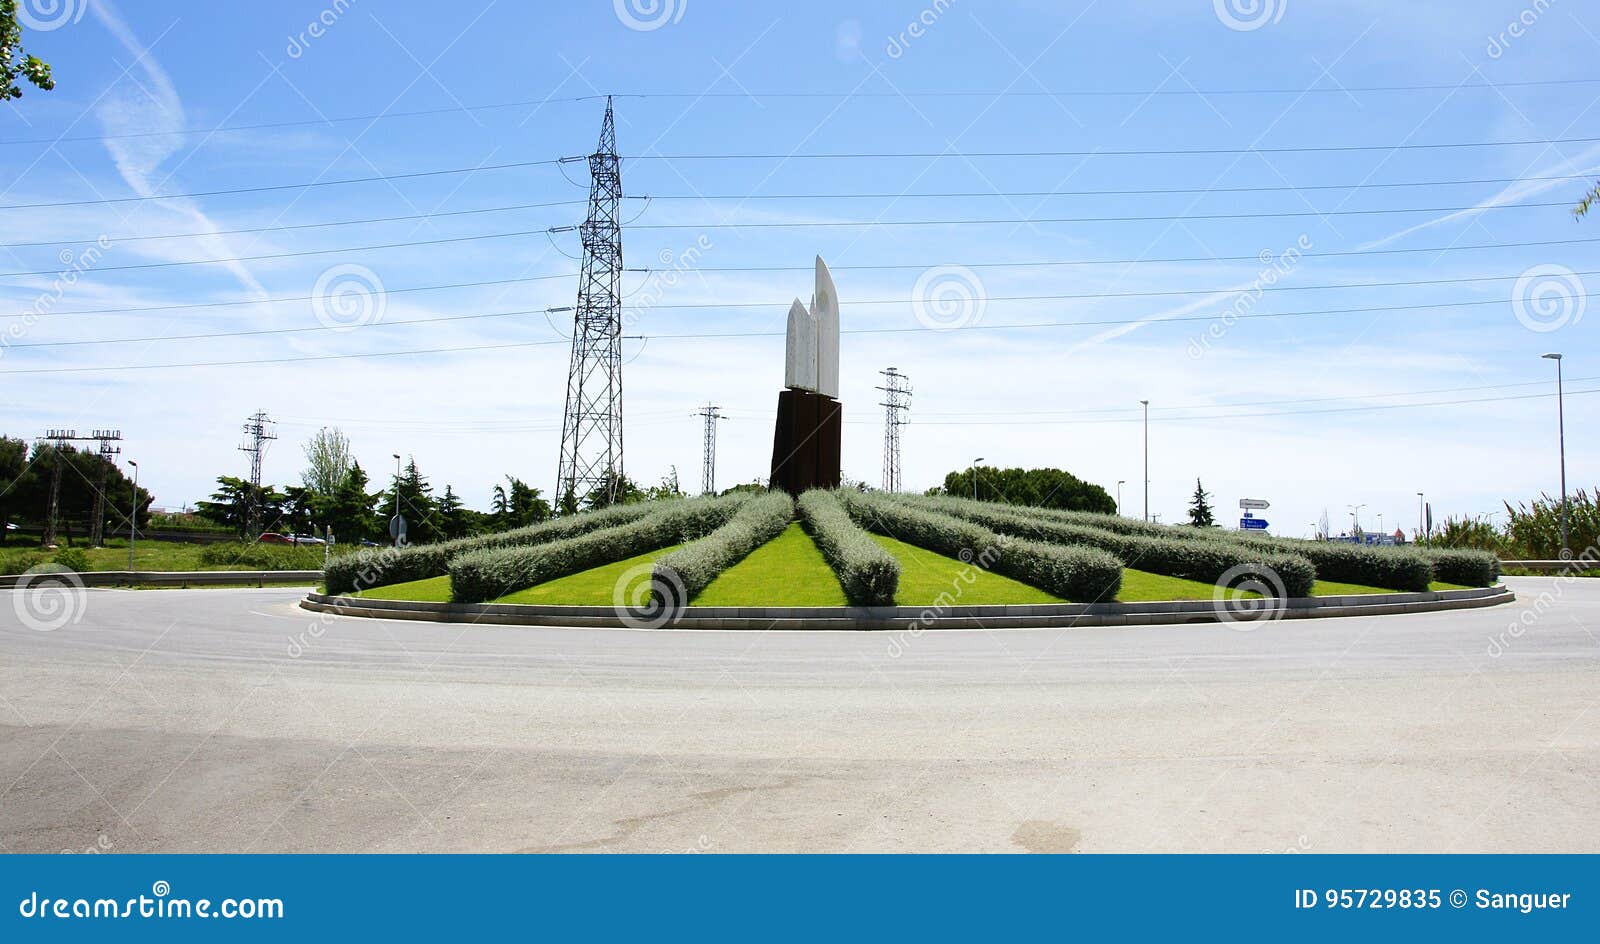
(617, 489)
(349, 511)
(13, 466)
(1200, 513)
(327, 460)
(416, 504)
(525, 506)
(669, 487)
(1043, 488)
(15, 63)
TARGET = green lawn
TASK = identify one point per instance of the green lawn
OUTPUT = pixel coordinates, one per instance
(16, 557)
(427, 590)
(786, 571)
(925, 576)
(594, 587)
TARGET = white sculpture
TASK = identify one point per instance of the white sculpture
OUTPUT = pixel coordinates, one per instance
(811, 350)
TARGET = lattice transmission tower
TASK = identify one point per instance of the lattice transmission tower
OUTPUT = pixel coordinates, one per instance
(258, 431)
(591, 427)
(708, 457)
(896, 403)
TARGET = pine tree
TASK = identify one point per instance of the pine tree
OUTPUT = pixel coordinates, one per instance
(1200, 515)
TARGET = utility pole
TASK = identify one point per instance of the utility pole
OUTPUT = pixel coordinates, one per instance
(896, 401)
(58, 439)
(1146, 405)
(133, 513)
(708, 457)
(591, 427)
(258, 431)
(108, 454)
(1120, 483)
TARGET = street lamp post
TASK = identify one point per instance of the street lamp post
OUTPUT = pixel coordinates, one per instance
(1422, 518)
(395, 525)
(133, 512)
(975, 477)
(1355, 518)
(1146, 405)
(1561, 434)
(1120, 483)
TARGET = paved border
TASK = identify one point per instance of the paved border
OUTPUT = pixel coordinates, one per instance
(912, 618)
(168, 578)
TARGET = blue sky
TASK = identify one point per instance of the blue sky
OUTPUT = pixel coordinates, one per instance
(1262, 407)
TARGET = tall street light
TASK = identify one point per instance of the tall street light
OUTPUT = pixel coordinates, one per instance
(395, 525)
(133, 513)
(1120, 483)
(1422, 518)
(975, 477)
(1146, 405)
(1561, 433)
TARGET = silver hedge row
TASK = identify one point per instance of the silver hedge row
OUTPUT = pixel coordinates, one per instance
(381, 566)
(480, 576)
(1394, 568)
(1080, 574)
(679, 576)
(870, 575)
(1209, 561)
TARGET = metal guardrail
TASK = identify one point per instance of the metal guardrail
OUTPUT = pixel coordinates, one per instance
(168, 578)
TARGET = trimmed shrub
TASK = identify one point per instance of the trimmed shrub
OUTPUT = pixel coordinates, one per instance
(869, 574)
(1468, 568)
(491, 573)
(73, 559)
(381, 566)
(1082, 574)
(1393, 568)
(254, 556)
(1205, 560)
(689, 570)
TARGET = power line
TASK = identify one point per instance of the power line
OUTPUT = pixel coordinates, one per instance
(896, 404)
(303, 252)
(885, 267)
(1116, 193)
(681, 337)
(1109, 152)
(712, 415)
(757, 96)
(285, 227)
(476, 211)
(793, 225)
(411, 175)
(1019, 221)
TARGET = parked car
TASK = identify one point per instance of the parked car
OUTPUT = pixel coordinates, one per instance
(307, 539)
(272, 537)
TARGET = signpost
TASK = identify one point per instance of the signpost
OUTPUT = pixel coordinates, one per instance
(1253, 524)
(1258, 504)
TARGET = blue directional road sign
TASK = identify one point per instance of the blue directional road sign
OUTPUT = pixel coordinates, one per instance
(1253, 524)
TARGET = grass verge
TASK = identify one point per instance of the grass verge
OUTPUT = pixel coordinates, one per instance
(789, 570)
(925, 576)
(593, 587)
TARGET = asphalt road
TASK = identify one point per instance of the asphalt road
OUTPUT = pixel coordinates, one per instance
(231, 720)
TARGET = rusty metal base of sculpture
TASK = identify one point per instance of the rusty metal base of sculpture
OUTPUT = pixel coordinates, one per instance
(805, 442)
